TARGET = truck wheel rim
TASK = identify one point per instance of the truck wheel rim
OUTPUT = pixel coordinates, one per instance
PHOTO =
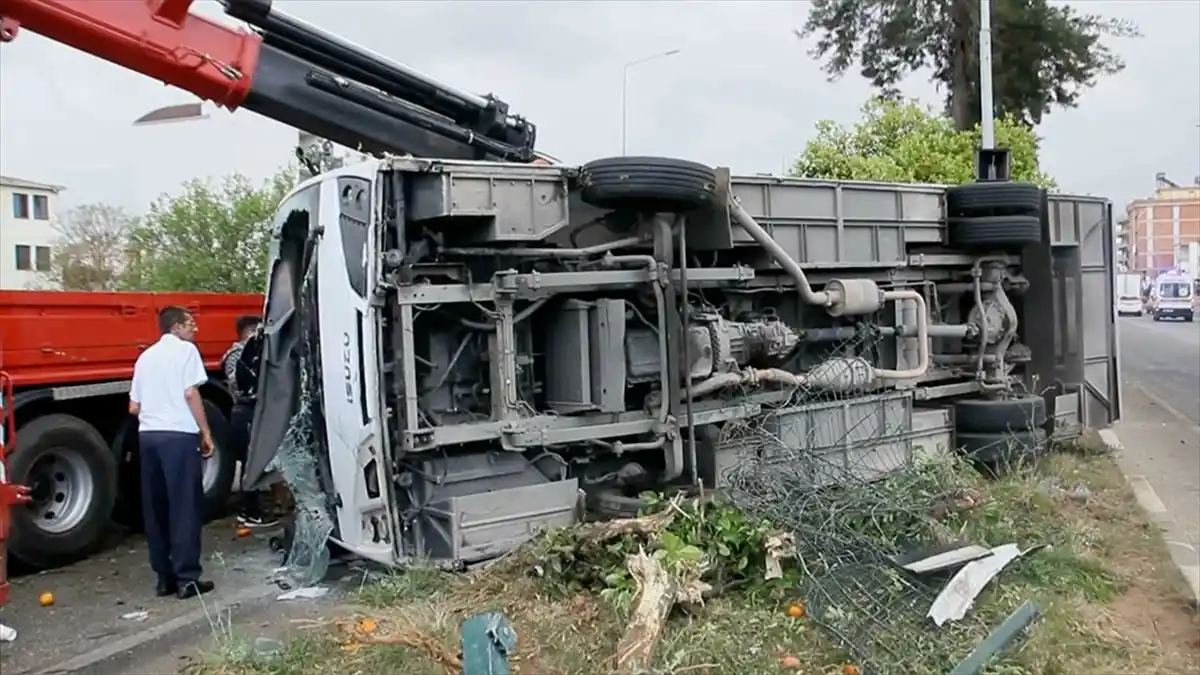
(212, 469)
(62, 490)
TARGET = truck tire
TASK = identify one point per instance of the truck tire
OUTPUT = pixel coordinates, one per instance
(220, 468)
(1000, 416)
(612, 503)
(994, 232)
(72, 476)
(650, 184)
(128, 510)
(998, 449)
(993, 198)
(218, 472)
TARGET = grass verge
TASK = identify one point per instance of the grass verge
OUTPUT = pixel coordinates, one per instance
(1113, 602)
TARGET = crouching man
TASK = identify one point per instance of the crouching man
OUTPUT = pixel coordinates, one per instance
(240, 364)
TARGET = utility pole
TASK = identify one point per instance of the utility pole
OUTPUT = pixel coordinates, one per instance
(991, 163)
(625, 92)
(986, 120)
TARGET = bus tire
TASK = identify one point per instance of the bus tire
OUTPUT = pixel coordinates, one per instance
(651, 184)
(72, 476)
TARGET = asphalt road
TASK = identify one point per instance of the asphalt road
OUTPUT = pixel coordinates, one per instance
(1160, 429)
(105, 619)
(108, 599)
(1163, 357)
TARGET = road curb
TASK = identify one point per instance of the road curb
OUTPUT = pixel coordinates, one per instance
(1183, 554)
(204, 613)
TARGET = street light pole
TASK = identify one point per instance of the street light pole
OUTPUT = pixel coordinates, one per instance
(985, 75)
(625, 92)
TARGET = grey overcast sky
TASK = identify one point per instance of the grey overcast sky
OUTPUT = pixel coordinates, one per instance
(742, 92)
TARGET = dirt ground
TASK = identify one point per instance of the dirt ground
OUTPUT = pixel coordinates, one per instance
(1113, 603)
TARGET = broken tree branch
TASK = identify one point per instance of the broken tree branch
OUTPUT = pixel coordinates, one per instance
(599, 533)
(656, 596)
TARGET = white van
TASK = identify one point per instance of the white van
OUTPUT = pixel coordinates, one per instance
(1172, 298)
(1129, 294)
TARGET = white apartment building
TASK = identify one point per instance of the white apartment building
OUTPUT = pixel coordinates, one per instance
(27, 230)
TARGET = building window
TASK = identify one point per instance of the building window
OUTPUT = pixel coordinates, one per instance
(41, 258)
(24, 258)
(41, 207)
(20, 206)
(33, 258)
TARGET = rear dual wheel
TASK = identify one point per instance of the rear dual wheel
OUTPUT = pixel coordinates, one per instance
(994, 215)
(999, 432)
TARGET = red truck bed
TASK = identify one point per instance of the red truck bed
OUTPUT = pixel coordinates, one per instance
(65, 337)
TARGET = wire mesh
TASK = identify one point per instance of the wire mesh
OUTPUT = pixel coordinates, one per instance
(838, 470)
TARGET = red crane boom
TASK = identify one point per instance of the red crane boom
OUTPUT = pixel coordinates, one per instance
(159, 38)
(283, 69)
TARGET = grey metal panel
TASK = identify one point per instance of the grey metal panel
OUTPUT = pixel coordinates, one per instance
(568, 359)
(1064, 224)
(1082, 233)
(514, 205)
(485, 525)
(1101, 395)
(606, 339)
(482, 505)
(829, 223)
(1067, 424)
(866, 437)
(585, 360)
(932, 434)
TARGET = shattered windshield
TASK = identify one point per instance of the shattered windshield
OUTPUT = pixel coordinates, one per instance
(288, 418)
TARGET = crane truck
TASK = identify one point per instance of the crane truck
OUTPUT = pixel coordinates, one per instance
(464, 342)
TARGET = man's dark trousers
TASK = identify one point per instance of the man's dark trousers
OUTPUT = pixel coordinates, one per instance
(172, 503)
(240, 420)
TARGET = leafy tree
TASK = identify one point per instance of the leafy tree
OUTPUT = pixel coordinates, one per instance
(210, 237)
(1043, 55)
(91, 250)
(904, 143)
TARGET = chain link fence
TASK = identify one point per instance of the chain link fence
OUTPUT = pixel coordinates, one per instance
(839, 471)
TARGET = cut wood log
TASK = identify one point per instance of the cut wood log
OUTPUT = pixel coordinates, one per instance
(656, 596)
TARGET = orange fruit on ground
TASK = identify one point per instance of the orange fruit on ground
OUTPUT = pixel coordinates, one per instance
(46, 599)
(795, 611)
(243, 532)
(790, 663)
(850, 669)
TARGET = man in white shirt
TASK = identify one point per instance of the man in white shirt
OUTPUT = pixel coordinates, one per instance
(173, 440)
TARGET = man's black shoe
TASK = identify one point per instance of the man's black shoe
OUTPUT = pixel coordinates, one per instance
(193, 588)
(165, 588)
